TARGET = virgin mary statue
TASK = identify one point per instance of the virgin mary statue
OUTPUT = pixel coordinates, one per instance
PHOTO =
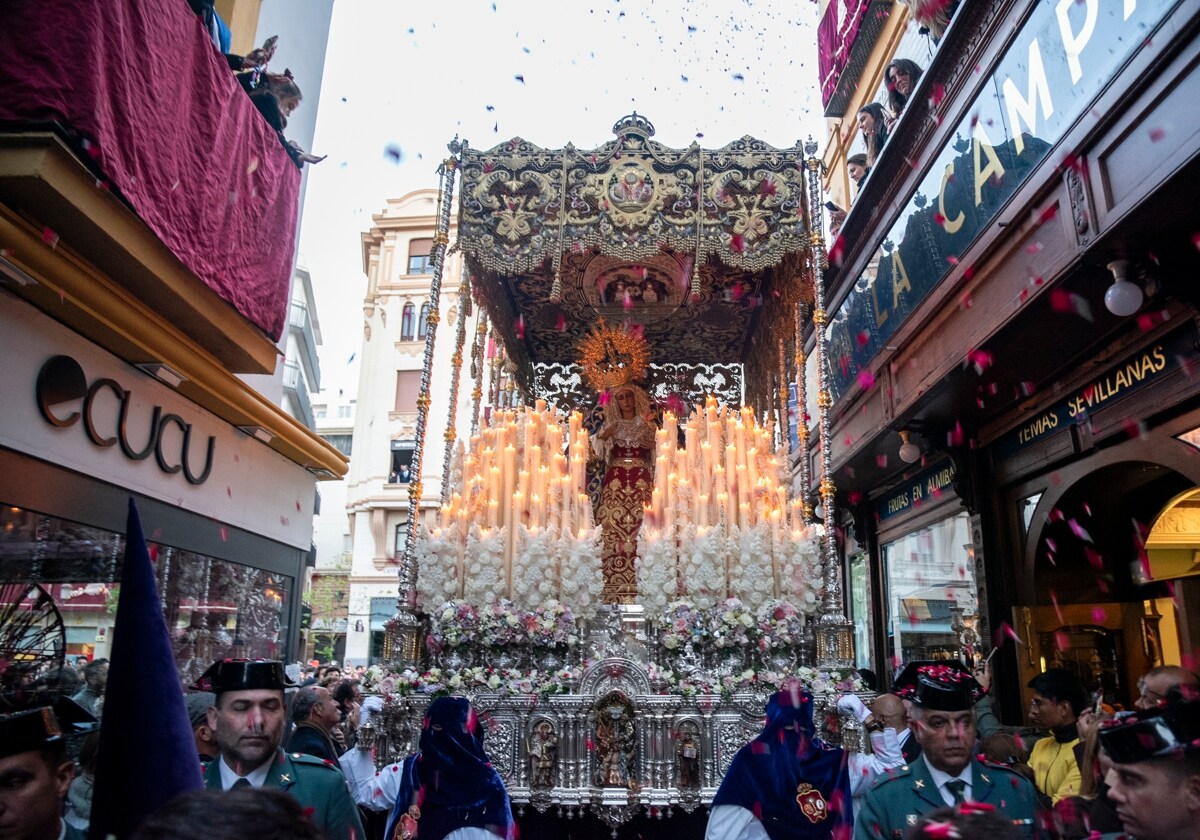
(626, 443)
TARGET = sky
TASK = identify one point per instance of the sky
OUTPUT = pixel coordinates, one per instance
(402, 78)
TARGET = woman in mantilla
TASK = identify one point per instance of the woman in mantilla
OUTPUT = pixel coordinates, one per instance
(626, 443)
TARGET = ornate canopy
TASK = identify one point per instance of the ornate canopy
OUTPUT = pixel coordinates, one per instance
(699, 247)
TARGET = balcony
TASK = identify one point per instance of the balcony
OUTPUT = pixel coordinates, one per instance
(299, 321)
(294, 384)
(130, 155)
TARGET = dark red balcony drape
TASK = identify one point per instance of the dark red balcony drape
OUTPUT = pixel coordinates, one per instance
(169, 128)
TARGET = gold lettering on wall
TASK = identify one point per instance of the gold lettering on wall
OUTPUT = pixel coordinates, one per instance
(983, 147)
(951, 226)
(1074, 42)
(881, 314)
(1024, 108)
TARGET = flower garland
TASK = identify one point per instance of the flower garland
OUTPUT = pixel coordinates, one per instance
(683, 622)
(502, 624)
(470, 681)
(731, 624)
(551, 625)
(779, 625)
(454, 623)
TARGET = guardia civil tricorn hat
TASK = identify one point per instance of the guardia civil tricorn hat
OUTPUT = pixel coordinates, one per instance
(244, 675)
(38, 728)
(944, 686)
(1166, 730)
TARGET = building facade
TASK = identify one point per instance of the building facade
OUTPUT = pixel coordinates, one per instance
(396, 318)
(1012, 342)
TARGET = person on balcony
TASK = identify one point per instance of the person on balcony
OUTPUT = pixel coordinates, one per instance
(902, 77)
(875, 124)
(276, 96)
(626, 442)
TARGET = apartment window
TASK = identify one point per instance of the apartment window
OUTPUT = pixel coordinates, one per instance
(408, 385)
(406, 323)
(423, 321)
(344, 411)
(400, 467)
(342, 443)
(419, 260)
(401, 538)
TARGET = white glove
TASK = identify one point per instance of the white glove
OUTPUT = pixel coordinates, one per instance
(851, 704)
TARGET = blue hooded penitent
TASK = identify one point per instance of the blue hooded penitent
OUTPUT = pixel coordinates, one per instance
(147, 751)
(451, 779)
(797, 787)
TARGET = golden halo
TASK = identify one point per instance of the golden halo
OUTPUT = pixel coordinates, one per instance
(612, 356)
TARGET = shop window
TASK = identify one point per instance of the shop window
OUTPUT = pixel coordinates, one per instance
(423, 322)
(860, 608)
(930, 578)
(1027, 506)
(419, 259)
(407, 325)
(214, 608)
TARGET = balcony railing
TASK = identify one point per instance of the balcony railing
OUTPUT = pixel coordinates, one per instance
(293, 383)
(299, 321)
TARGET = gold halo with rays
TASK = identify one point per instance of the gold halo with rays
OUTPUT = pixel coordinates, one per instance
(610, 356)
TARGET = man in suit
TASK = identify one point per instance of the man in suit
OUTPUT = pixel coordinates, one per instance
(248, 720)
(941, 699)
(316, 714)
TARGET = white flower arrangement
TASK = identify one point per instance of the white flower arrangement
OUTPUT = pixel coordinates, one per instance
(582, 575)
(535, 570)
(731, 624)
(437, 553)
(656, 579)
(484, 565)
(750, 574)
(702, 572)
(800, 572)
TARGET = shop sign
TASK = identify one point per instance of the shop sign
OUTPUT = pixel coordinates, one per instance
(1133, 374)
(61, 381)
(924, 488)
(1055, 66)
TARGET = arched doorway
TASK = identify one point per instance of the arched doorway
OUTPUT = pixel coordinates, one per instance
(1107, 583)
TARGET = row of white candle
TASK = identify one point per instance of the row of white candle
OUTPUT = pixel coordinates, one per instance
(726, 473)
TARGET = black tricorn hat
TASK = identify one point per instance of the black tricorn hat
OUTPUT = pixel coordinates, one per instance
(1165, 730)
(944, 686)
(243, 675)
(38, 728)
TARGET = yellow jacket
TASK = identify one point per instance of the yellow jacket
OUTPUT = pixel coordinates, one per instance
(1054, 767)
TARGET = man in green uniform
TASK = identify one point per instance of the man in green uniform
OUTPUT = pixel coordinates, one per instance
(248, 721)
(940, 698)
(35, 772)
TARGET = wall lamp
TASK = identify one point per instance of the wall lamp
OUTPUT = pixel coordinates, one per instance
(910, 453)
(1123, 298)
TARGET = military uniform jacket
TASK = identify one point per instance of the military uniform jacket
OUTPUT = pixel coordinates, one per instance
(897, 801)
(315, 785)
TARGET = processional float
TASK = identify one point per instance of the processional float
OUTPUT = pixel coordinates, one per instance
(620, 622)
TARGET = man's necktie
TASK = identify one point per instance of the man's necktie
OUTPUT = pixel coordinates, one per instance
(245, 783)
(956, 788)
